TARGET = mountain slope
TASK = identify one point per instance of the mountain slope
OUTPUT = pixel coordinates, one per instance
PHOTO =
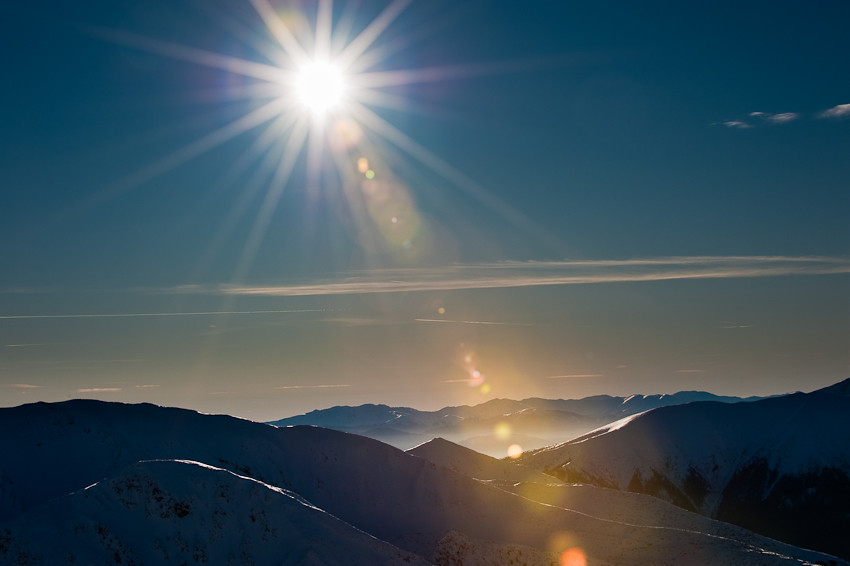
(778, 466)
(177, 512)
(479, 466)
(398, 498)
(555, 420)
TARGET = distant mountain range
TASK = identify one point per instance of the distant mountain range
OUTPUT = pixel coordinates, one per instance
(778, 466)
(531, 423)
(88, 482)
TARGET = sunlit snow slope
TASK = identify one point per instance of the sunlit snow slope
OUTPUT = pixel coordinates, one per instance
(779, 466)
(403, 500)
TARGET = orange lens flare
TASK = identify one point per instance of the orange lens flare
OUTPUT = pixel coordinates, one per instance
(573, 557)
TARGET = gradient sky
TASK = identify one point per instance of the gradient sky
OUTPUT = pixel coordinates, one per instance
(604, 197)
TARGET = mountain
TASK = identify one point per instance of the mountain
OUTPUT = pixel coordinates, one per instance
(778, 466)
(475, 465)
(607, 504)
(552, 420)
(173, 512)
(60, 452)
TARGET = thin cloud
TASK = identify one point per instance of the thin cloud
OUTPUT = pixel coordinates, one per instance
(738, 124)
(576, 375)
(836, 112)
(472, 322)
(24, 386)
(690, 371)
(145, 386)
(133, 315)
(99, 390)
(310, 386)
(456, 381)
(782, 118)
(528, 274)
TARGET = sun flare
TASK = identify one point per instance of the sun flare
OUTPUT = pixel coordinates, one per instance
(320, 86)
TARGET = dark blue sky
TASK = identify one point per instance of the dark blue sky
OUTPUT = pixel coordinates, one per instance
(617, 130)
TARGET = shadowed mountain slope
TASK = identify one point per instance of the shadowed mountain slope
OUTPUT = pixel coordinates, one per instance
(553, 420)
(398, 498)
(779, 466)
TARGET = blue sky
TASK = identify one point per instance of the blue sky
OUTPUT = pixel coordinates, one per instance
(580, 137)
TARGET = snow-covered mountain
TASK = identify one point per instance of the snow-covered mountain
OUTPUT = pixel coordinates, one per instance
(552, 420)
(180, 512)
(778, 466)
(416, 507)
(604, 503)
(475, 465)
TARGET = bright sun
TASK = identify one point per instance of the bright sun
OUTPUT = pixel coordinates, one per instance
(320, 86)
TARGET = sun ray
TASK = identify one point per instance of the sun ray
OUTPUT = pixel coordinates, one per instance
(293, 148)
(281, 32)
(265, 148)
(383, 99)
(247, 35)
(368, 36)
(194, 55)
(192, 150)
(324, 22)
(426, 157)
(339, 38)
(450, 72)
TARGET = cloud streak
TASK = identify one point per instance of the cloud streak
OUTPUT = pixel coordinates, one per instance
(133, 315)
(472, 322)
(836, 112)
(99, 390)
(576, 375)
(529, 274)
(312, 386)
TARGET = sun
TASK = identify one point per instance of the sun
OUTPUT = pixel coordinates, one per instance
(320, 86)
(322, 91)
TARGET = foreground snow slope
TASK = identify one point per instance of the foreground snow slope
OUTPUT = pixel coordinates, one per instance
(609, 504)
(177, 512)
(396, 497)
(778, 466)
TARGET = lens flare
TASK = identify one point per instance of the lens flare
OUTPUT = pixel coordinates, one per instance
(514, 451)
(502, 431)
(320, 86)
(573, 557)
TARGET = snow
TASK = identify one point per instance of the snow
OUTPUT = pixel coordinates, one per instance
(289, 474)
(179, 512)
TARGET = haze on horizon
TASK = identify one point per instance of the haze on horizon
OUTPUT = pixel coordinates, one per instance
(498, 203)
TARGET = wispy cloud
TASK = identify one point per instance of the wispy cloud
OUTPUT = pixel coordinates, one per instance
(472, 322)
(24, 386)
(99, 390)
(780, 118)
(575, 375)
(836, 112)
(690, 371)
(133, 315)
(737, 124)
(312, 386)
(526, 274)
(146, 386)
